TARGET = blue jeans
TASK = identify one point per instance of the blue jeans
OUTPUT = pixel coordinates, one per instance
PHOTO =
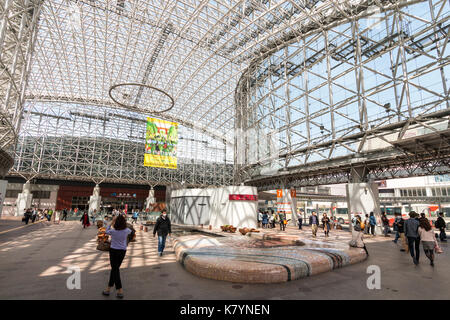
(397, 235)
(414, 243)
(161, 243)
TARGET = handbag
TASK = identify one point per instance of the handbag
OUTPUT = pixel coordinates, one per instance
(437, 249)
(103, 246)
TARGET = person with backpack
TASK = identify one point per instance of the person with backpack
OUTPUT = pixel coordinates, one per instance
(373, 223)
(411, 228)
(357, 235)
(441, 225)
(163, 228)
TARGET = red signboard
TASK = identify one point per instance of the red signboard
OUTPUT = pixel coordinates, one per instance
(244, 197)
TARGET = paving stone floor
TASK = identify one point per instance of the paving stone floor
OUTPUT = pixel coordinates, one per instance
(34, 262)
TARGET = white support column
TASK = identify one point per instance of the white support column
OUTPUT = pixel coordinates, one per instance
(3, 185)
(24, 199)
(362, 198)
(94, 200)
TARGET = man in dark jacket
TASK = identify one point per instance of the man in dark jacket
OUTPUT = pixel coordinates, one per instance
(163, 228)
(411, 228)
(441, 225)
(314, 223)
(401, 232)
(64, 214)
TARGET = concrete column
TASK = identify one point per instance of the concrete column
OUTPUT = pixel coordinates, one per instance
(150, 199)
(24, 199)
(94, 200)
(3, 184)
(362, 198)
(169, 189)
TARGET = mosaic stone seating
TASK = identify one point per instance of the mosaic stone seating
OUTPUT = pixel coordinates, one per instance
(261, 259)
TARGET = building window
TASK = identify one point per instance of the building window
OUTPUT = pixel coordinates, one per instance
(41, 194)
(12, 193)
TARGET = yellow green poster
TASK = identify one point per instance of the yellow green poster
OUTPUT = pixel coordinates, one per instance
(161, 140)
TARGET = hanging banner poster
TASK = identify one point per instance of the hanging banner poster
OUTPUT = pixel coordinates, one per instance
(161, 140)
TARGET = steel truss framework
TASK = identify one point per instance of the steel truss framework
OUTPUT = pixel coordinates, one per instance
(17, 35)
(353, 86)
(309, 73)
(99, 144)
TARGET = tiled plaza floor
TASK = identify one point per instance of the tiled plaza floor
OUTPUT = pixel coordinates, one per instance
(34, 262)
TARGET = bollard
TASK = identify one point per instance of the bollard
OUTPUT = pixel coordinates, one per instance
(141, 227)
(145, 229)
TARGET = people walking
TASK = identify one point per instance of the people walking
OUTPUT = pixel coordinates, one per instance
(357, 235)
(135, 216)
(265, 220)
(326, 224)
(373, 223)
(314, 223)
(401, 231)
(300, 221)
(428, 239)
(27, 216)
(34, 215)
(283, 221)
(49, 214)
(411, 228)
(272, 220)
(118, 248)
(163, 228)
(398, 217)
(94, 216)
(367, 224)
(85, 220)
(64, 214)
(385, 222)
(441, 225)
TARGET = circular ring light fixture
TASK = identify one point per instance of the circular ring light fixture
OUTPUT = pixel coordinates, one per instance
(141, 97)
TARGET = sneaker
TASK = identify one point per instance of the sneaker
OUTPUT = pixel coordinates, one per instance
(415, 261)
(402, 250)
(160, 254)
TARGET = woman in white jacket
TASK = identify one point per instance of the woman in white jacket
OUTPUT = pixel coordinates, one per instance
(427, 238)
